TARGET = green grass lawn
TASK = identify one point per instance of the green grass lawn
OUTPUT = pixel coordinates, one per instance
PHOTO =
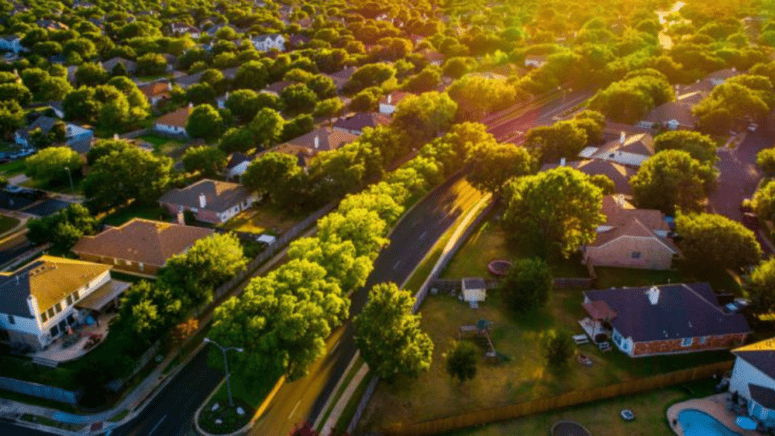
(122, 215)
(63, 187)
(13, 168)
(162, 145)
(7, 223)
(263, 219)
(601, 418)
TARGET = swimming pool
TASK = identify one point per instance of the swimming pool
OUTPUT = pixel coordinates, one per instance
(696, 423)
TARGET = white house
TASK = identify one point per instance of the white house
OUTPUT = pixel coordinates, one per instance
(185, 29)
(11, 43)
(673, 115)
(474, 290)
(268, 42)
(238, 164)
(535, 61)
(753, 378)
(44, 298)
(173, 123)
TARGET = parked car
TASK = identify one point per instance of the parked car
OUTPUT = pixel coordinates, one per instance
(751, 221)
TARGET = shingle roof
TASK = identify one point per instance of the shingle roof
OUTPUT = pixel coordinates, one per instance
(177, 118)
(619, 174)
(236, 159)
(762, 395)
(642, 143)
(327, 139)
(361, 120)
(219, 196)
(680, 112)
(682, 311)
(761, 355)
(395, 97)
(139, 240)
(155, 89)
(624, 220)
(111, 63)
(277, 87)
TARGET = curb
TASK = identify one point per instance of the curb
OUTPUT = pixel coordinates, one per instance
(328, 404)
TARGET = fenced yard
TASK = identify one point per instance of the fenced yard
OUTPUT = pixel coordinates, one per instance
(263, 218)
(522, 378)
(162, 145)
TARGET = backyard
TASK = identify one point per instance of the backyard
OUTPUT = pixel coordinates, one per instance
(12, 168)
(601, 418)
(119, 216)
(7, 223)
(165, 146)
(523, 376)
(263, 219)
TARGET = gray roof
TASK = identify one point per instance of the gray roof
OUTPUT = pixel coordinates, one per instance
(219, 196)
(682, 311)
(474, 283)
(236, 159)
(14, 294)
(187, 81)
(230, 73)
(762, 395)
(80, 146)
(763, 360)
(111, 63)
(44, 123)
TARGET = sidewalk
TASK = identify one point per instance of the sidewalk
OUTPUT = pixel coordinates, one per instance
(135, 400)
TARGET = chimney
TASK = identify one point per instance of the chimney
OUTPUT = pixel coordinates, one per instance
(169, 86)
(202, 201)
(622, 136)
(181, 217)
(562, 161)
(317, 141)
(653, 294)
(389, 98)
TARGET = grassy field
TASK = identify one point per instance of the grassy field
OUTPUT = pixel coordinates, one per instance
(523, 377)
(7, 223)
(262, 219)
(162, 145)
(601, 418)
(13, 168)
(120, 216)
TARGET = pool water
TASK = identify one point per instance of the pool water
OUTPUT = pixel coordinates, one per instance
(696, 423)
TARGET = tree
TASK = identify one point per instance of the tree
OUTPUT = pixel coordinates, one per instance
(714, 241)
(365, 101)
(478, 96)
(461, 361)
(205, 122)
(269, 173)
(557, 209)
(550, 143)
(363, 227)
(194, 275)
(237, 139)
(48, 165)
(296, 127)
(151, 64)
(328, 108)
(426, 80)
(765, 160)
(147, 310)
(424, 117)
(699, 146)
(527, 286)
(267, 127)
(606, 185)
(127, 174)
(763, 201)
(200, 93)
(208, 161)
(11, 118)
(104, 147)
(323, 86)
(734, 100)
(184, 330)
(16, 92)
(252, 75)
(672, 179)
(91, 74)
(243, 104)
(760, 285)
(557, 347)
(388, 334)
(63, 229)
(369, 75)
(627, 101)
(298, 99)
(493, 164)
(338, 258)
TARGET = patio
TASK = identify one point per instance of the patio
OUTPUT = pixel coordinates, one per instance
(715, 406)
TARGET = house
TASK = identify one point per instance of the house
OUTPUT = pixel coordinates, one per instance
(238, 164)
(216, 27)
(186, 81)
(666, 319)
(156, 92)
(179, 29)
(44, 298)
(630, 151)
(173, 123)
(753, 379)
(341, 77)
(268, 42)
(139, 246)
(619, 174)
(474, 290)
(535, 61)
(76, 137)
(277, 87)
(110, 64)
(388, 103)
(433, 57)
(297, 41)
(354, 124)
(211, 201)
(673, 115)
(11, 43)
(631, 238)
(318, 140)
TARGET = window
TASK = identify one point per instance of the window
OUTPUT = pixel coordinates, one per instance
(686, 342)
(76, 295)
(69, 300)
(636, 254)
(11, 319)
(54, 331)
(51, 312)
(141, 266)
(43, 317)
(58, 307)
(703, 339)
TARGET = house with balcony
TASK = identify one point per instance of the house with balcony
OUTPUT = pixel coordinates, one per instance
(211, 201)
(666, 319)
(51, 296)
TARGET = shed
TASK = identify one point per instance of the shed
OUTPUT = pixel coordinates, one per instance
(266, 239)
(474, 290)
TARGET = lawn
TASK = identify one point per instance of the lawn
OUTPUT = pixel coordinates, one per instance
(7, 223)
(122, 215)
(162, 145)
(62, 187)
(601, 418)
(13, 168)
(489, 242)
(522, 377)
(247, 395)
(263, 219)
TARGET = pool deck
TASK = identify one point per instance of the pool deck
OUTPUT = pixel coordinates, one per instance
(715, 406)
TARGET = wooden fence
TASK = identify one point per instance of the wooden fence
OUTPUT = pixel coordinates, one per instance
(518, 410)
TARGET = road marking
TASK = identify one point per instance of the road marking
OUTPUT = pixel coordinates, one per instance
(396, 265)
(423, 235)
(157, 425)
(334, 347)
(294, 410)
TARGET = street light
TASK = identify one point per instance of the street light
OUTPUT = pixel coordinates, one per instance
(70, 176)
(225, 364)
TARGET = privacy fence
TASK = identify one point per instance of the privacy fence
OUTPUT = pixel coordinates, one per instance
(518, 410)
(40, 391)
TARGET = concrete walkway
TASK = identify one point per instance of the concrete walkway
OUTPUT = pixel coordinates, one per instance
(715, 406)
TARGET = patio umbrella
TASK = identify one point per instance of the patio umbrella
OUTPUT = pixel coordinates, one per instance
(746, 423)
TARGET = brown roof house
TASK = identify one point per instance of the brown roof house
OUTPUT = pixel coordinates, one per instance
(354, 124)
(139, 246)
(156, 92)
(211, 201)
(666, 319)
(388, 103)
(673, 115)
(173, 123)
(630, 150)
(45, 298)
(619, 174)
(753, 379)
(631, 238)
(307, 146)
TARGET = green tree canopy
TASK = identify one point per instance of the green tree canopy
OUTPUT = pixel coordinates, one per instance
(269, 173)
(527, 286)
(760, 286)
(461, 361)
(699, 146)
(48, 165)
(672, 179)
(493, 164)
(714, 241)
(557, 347)
(424, 117)
(208, 161)
(205, 122)
(131, 173)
